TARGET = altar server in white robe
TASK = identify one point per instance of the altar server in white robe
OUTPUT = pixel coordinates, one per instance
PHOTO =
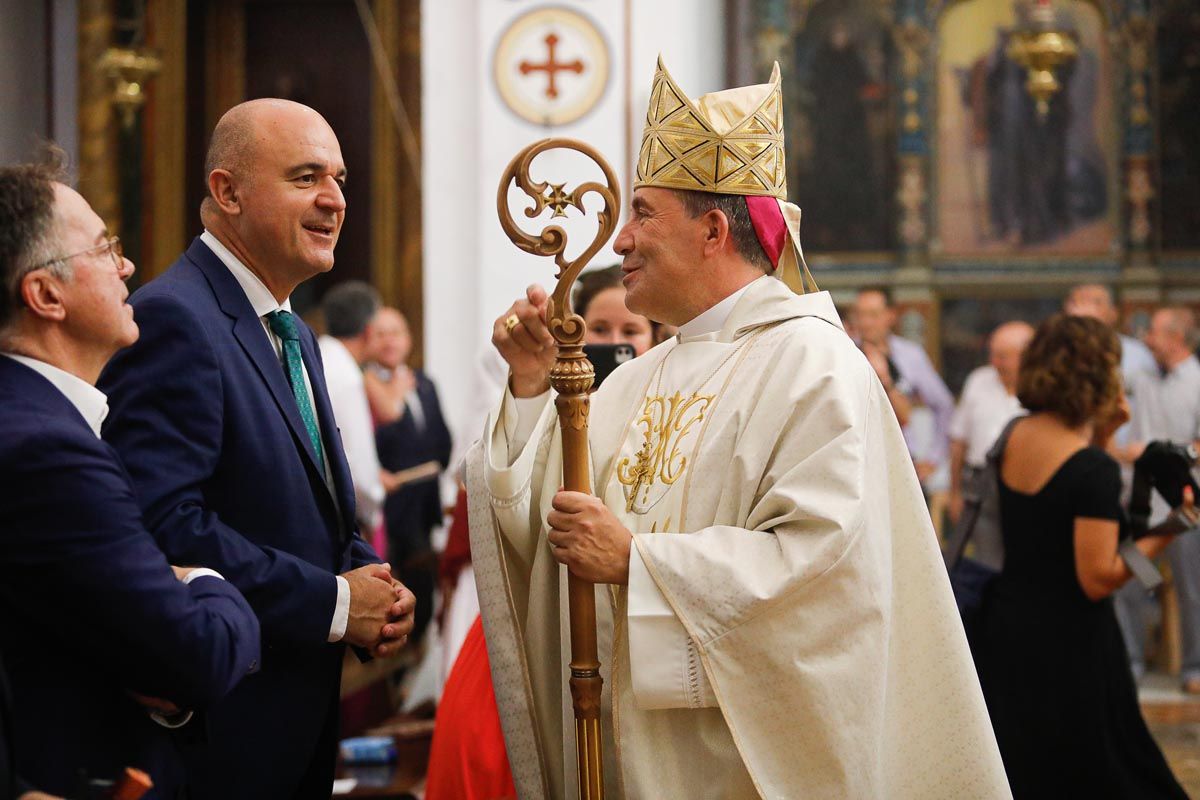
(774, 616)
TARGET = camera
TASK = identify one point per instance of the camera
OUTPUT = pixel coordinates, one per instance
(1164, 467)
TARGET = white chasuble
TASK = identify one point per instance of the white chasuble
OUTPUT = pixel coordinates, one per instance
(788, 630)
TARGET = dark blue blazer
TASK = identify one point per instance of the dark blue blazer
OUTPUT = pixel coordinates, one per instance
(89, 607)
(227, 477)
(11, 784)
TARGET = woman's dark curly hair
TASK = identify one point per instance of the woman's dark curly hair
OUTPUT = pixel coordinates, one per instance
(1070, 369)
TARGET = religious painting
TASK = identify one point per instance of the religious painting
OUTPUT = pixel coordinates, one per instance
(1179, 124)
(836, 57)
(1013, 179)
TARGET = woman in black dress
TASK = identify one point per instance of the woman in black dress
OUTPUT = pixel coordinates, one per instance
(1051, 659)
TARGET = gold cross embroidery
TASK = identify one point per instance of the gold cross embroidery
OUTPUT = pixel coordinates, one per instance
(641, 473)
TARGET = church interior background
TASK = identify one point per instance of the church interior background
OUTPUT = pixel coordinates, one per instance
(918, 157)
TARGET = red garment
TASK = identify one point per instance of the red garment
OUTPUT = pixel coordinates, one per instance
(379, 540)
(458, 542)
(467, 759)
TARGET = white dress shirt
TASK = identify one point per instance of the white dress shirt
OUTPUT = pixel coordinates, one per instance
(90, 402)
(263, 303)
(983, 410)
(352, 413)
(1165, 404)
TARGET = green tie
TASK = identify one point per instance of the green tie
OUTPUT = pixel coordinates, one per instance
(283, 324)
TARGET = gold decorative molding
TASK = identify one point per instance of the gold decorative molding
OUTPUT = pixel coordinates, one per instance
(912, 39)
(385, 176)
(396, 252)
(1042, 52)
(1136, 38)
(98, 177)
(1139, 191)
(130, 71)
(165, 126)
(225, 58)
(911, 195)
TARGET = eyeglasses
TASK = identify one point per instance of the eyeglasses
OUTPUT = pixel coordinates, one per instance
(113, 246)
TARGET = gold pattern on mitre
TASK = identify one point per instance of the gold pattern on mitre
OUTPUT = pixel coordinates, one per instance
(728, 142)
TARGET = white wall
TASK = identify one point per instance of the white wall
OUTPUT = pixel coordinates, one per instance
(23, 87)
(31, 109)
(471, 271)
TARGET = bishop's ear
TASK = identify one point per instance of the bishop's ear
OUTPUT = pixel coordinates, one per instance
(716, 231)
(42, 293)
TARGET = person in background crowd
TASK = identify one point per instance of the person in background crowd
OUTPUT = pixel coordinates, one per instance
(600, 300)
(912, 375)
(988, 402)
(1166, 405)
(348, 309)
(1095, 300)
(1050, 656)
(413, 443)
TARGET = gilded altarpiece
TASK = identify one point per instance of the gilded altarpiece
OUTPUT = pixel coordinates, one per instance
(953, 190)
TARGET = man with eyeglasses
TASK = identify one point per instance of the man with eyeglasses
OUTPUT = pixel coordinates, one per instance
(106, 645)
(222, 413)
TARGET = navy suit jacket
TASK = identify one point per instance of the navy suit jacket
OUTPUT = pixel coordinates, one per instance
(227, 477)
(89, 607)
(11, 785)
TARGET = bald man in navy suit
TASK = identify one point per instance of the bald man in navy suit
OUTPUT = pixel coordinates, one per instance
(222, 413)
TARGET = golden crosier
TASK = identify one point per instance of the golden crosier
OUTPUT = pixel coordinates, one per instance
(571, 376)
(566, 326)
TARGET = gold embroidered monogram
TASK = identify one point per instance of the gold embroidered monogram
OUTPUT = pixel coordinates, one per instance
(665, 423)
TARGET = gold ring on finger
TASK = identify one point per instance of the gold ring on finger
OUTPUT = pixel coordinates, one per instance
(511, 322)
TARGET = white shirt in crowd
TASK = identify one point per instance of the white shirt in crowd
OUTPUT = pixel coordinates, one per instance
(352, 411)
(1166, 405)
(983, 411)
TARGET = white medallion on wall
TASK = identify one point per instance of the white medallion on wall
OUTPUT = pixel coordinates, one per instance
(551, 66)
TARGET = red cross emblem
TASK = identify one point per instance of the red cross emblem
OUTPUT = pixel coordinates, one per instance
(551, 66)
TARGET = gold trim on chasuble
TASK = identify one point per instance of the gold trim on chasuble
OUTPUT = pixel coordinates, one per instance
(666, 422)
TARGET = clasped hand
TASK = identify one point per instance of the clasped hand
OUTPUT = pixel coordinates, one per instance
(381, 610)
(588, 538)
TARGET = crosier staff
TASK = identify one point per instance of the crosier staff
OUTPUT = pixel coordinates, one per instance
(571, 378)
